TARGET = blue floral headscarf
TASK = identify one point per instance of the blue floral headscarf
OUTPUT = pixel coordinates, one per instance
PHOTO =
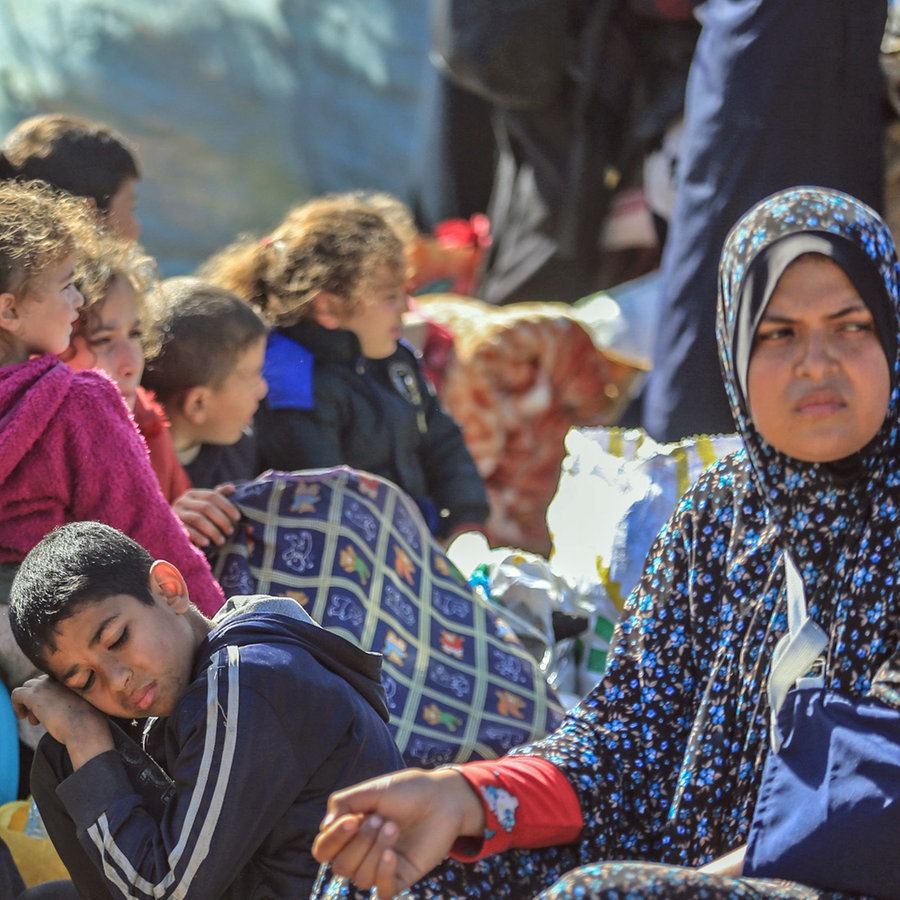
(800, 496)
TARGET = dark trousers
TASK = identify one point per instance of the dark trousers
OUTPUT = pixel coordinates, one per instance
(780, 93)
(50, 890)
(50, 768)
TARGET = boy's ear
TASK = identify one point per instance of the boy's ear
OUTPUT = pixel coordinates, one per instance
(328, 309)
(195, 405)
(168, 583)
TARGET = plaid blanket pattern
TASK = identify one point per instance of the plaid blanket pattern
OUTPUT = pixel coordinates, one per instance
(353, 549)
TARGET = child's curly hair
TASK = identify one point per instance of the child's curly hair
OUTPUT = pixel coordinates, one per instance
(332, 243)
(110, 257)
(39, 227)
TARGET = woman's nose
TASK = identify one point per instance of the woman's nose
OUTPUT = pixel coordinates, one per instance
(816, 354)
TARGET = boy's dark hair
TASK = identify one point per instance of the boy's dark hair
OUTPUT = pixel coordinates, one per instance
(77, 155)
(195, 334)
(78, 563)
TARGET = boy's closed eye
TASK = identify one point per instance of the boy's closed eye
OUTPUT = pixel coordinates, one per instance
(117, 643)
(120, 640)
(85, 686)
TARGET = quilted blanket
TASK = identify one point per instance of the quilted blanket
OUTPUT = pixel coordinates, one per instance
(354, 550)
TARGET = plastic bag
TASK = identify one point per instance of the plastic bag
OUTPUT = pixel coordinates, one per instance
(35, 856)
(544, 611)
(617, 488)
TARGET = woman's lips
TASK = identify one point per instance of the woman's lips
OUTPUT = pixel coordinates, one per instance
(820, 403)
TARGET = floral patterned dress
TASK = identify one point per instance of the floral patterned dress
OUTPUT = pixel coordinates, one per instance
(666, 753)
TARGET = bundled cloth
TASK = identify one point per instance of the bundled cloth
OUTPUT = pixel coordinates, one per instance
(354, 551)
(519, 377)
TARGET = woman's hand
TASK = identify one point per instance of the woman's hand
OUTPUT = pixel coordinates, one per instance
(389, 832)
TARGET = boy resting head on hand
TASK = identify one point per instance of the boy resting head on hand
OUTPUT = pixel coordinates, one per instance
(253, 718)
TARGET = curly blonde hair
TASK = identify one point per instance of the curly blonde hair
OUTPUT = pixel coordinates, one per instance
(38, 228)
(109, 258)
(332, 243)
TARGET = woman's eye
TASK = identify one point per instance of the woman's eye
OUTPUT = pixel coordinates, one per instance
(857, 326)
(136, 334)
(773, 334)
(88, 684)
(99, 342)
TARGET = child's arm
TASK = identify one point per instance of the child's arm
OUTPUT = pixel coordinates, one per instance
(228, 795)
(454, 482)
(208, 515)
(81, 728)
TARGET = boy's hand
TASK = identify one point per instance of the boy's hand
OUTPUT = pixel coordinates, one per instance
(82, 728)
(389, 832)
(208, 515)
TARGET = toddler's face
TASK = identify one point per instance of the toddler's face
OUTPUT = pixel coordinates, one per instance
(111, 341)
(232, 405)
(377, 320)
(47, 310)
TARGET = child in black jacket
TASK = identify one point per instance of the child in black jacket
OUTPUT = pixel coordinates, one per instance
(344, 389)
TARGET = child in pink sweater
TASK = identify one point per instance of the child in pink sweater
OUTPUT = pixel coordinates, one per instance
(69, 450)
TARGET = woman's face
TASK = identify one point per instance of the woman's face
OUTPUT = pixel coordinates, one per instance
(818, 380)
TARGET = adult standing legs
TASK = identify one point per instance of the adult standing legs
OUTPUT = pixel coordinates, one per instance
(780, 93)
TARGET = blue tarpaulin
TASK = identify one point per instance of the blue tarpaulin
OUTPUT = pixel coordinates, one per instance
(238, 108)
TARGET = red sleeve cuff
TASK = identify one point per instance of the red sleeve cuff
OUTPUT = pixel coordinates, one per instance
(527, 803)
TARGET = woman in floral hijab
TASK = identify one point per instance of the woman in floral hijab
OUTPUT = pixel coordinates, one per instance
(663, 759)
